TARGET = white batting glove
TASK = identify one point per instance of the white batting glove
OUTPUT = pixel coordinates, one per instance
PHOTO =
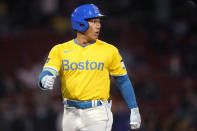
(48, 82)
(135, 118)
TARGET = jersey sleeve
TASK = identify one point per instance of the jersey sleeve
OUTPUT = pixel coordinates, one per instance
(53, 62)
(117, 66)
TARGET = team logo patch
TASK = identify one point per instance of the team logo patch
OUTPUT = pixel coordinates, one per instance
(47, 60)
(123, 65)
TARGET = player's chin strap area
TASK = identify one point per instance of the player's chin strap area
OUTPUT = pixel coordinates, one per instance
(83, 104)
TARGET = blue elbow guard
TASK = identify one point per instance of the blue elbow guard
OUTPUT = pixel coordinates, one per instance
(127, 91)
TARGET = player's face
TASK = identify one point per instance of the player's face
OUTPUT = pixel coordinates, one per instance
(93, 31)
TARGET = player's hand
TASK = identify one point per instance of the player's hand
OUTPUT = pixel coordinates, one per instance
(48, 82)
(135, 118)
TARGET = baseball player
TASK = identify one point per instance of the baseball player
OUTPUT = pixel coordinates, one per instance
(84, 66)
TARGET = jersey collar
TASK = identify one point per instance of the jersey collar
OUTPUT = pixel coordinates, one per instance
(75, 41)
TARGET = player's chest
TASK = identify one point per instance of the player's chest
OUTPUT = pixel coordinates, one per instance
(79, 55)
(84, 59)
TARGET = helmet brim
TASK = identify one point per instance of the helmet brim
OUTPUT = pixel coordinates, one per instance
(100, 17)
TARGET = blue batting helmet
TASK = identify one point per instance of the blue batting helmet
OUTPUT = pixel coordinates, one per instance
(81, 14)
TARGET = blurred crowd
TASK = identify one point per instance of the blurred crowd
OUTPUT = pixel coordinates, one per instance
(156, 38)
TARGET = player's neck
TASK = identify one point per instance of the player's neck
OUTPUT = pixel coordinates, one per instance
(83, 40)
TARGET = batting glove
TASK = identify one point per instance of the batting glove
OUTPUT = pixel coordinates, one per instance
(135, 118)
(48, 82)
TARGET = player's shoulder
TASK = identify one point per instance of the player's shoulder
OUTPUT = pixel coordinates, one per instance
(106, 45)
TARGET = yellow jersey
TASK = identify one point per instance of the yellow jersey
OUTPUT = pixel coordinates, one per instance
(85, 71)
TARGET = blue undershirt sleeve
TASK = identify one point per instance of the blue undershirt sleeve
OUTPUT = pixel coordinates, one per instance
(42, 74)
(126, 89)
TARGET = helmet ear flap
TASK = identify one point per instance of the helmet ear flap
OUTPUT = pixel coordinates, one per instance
(80, 25)
(83, 26)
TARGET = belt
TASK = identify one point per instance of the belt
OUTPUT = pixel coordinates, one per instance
(83, 104)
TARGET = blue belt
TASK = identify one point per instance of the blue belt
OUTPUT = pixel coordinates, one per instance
(83, 104)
